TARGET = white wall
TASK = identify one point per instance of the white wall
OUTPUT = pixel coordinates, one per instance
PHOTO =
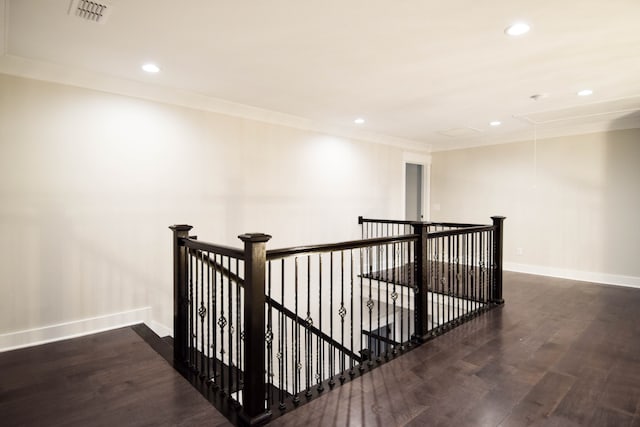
(90, 181)
(571, 203)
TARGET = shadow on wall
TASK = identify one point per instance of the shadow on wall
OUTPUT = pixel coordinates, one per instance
(622, 198)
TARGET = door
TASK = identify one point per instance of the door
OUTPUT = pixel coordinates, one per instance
(413, 192)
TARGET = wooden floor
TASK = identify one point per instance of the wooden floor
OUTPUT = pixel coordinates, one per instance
(110, 379)
(559, 353)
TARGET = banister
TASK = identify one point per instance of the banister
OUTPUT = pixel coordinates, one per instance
(352, 244)
(277, 354)
(210, 247)
(468, 230)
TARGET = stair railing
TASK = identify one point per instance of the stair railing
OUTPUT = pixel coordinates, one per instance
(267, 330)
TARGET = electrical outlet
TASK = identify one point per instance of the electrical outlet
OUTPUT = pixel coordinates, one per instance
(519, 251)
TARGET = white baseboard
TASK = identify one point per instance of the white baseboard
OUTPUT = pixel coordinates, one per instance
(77, 328)
(585, 276)
(160, 329)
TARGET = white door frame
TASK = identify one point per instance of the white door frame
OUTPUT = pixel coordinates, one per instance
(425, 161)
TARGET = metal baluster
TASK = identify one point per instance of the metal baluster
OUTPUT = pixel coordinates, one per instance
(214, 320)
(343, 312)
(404, 281)
(394, 295)
(269, 340)
(386, 320)
(351, 372)
(370, 307)
(208, 354)
(321, 350)
(191, 334)
(222, 322)
(380, 271)
(473, 270)
(202, 312)
(482, 264)
(408, 280)
(361, 366)
(456, 275)
(307, 336)
(488, 268)
(442, 283)
(450, 315)
(296, 342)
(240, 329)
(283, 344)
(332, 356)
(492, 268)
(431, 278)
(466, 276)
(231, 331)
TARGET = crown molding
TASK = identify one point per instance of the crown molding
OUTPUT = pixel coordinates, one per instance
(56, 73)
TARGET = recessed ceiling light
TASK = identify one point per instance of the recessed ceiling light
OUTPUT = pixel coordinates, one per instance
(495, 123)
(151, 68)
(517, 29)
(359, 121)
(585, 92)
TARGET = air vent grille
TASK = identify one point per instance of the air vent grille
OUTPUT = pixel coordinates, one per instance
(460, 132)
(89, 10)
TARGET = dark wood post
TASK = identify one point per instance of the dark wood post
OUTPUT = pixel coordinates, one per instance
(254, 392)
(497, 260)
(420, 282)
(180, 303)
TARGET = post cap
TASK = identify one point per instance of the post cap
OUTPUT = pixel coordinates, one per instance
(181, 227)
(254, 237)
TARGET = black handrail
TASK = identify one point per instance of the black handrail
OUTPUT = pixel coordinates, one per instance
(331, 247)
(192, 243)
(362, 220)
(445, 233)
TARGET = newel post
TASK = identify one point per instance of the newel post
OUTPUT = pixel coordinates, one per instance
(180, 273)
(254, 390)
(420, 282)
(497, 259)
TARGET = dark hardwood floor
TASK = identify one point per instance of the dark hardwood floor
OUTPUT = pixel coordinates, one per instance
(109, 379)
(559, 353)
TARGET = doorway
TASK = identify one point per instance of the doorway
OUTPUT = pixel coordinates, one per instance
(414, 177)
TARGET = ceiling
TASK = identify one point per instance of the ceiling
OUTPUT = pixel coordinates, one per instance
(431, 72)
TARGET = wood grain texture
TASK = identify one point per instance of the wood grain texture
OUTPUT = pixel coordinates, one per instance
(108, 379)
(559, 353)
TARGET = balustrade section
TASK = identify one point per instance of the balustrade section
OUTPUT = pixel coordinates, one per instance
(264, 331)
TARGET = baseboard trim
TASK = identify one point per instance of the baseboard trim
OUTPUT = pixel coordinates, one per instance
(585, 276)
(73, 329)
(160, 329)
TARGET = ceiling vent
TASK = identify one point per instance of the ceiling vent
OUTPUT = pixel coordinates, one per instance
(460, 132)
(91, 11)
